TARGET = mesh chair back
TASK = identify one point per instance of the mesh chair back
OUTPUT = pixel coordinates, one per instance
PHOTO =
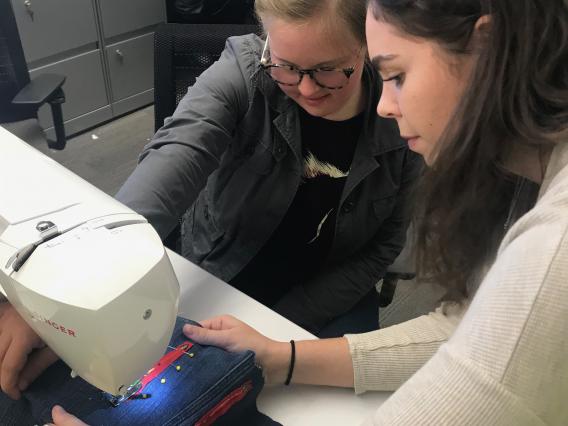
(13, 68)
(210, 11)
(181, 54)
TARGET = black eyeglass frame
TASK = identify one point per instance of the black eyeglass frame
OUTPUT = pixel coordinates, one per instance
(311, 72)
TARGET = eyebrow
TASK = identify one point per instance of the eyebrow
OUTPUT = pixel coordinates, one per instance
(378, 60)
(321, 64)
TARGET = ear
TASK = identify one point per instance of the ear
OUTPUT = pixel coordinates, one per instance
(483, 23)
(481, 31)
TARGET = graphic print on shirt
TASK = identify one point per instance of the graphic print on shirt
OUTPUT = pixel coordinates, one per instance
(300, 245)
(314, 168)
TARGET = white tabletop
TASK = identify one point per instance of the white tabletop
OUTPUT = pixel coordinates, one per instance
(204, 296)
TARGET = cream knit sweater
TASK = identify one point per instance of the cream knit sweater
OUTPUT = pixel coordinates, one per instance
(506, 362)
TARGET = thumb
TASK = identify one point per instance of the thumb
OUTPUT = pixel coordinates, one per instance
(206, 336)
(63, 418)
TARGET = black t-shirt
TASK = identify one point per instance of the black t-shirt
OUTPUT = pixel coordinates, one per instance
(300, 244)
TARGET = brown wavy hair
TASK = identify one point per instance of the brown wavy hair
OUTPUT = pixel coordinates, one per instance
(518, 94)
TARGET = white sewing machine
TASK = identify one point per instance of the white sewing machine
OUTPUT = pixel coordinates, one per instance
(89, 275)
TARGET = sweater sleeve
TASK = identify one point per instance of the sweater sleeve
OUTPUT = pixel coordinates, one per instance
(506, 362)
(384, 359)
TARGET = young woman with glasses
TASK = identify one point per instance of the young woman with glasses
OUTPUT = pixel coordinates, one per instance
(293, 187)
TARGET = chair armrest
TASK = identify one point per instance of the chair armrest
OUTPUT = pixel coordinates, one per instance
(40, 90)
(390, 280)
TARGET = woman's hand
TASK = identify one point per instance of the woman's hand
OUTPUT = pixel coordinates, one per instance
(233, 335)
(63, 418)
(23, 355)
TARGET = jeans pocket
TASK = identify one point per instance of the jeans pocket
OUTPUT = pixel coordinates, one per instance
(223, 406)
(231, 380)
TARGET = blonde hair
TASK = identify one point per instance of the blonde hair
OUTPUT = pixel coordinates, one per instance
(350, 12)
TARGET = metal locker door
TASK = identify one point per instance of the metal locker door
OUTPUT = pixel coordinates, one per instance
(49, 27)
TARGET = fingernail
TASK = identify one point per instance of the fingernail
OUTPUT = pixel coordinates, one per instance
(188, 328)
(23, 385)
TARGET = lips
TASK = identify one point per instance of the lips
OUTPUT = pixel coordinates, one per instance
(412, 141)
(315, 101)
(408, 137)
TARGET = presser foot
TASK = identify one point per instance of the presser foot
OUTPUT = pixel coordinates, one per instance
(116, 400)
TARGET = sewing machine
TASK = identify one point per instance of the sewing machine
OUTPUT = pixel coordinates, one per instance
(89, 275)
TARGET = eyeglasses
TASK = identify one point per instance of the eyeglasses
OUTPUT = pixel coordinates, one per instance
(289, 75)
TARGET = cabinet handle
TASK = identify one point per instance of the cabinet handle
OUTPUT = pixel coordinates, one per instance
(119, 53)
(29, 9)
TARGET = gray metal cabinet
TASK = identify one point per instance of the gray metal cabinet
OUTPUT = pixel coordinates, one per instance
(103, 47)
(131, 66)
(127, 28)
(49, 27)
(123, 16)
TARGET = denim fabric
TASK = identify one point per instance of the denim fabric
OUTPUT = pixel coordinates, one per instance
(200, 384)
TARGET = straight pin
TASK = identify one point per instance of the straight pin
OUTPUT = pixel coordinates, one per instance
(187, 353)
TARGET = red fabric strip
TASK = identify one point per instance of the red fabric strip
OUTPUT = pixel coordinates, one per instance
(164, 363)
(225, 404)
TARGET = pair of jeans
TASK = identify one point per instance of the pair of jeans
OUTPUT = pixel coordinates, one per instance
(362, 318)
(204, 385)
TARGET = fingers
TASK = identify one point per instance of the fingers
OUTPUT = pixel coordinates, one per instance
(206, 336)
(12, 364)
(5, 341)
(63, 418)
(4, 308)
(17, 341)
(37, 363)
(222, 322)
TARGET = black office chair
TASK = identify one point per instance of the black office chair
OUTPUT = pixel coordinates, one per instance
(403, 268)
(181, 53)
(210, 11)
(21, 98)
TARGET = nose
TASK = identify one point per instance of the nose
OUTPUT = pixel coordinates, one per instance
(388, 104)
(308, 86)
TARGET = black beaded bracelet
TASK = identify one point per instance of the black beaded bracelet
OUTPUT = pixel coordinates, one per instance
(292, 362)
